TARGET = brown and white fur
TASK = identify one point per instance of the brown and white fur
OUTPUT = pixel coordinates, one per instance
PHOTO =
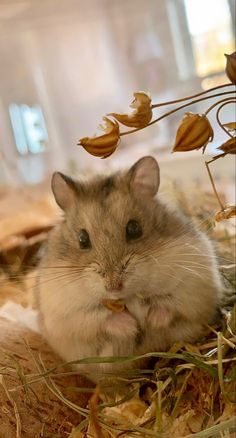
(168, 277)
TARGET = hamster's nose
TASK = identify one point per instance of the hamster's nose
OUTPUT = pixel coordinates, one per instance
(114, 286)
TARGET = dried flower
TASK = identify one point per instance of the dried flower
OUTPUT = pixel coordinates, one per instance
(194, 132)
(231, 67)
(228, 212)
(141, 115)
(104, 145)
(229, 147)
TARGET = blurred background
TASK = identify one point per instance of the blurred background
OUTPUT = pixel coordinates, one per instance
(66, 63)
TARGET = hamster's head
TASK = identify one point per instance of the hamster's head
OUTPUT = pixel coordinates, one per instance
(115, 231)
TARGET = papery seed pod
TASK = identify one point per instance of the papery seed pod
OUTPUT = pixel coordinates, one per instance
(104, 145)
(230, 69)
(141, 115)
(229, 147)
(194, 132)
(231, 127)
(228, 212)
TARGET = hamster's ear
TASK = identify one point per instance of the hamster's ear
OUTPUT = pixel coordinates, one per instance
(145, 177)
(64, 190)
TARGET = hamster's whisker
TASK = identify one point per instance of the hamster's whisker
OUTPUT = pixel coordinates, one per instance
(47, 277)
(55, 278)
(36, 266)
(188, 269)
(161, 265)
(21, 277)
(63, 284)
(175, 244)
(192, 263)
(74, 274)
(202, 256)
(70, 281)
(183, 267)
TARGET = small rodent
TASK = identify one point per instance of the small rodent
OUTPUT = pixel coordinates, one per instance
(119, 241)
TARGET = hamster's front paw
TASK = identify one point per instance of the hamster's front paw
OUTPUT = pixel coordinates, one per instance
(159, 317)
(121, 325)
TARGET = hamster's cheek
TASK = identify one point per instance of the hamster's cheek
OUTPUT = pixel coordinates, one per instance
(90, 290)
(121, 325)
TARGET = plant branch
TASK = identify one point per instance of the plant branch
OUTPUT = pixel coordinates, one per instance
(177, 109)
(213, 185)
(228, 99)
(218, 117)
(216, 157)
(170, 102)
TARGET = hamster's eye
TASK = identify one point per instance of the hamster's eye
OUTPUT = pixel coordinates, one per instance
(133, 230)
(84, 240)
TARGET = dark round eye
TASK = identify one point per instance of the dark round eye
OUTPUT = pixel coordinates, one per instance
(133, 230)
(84, 240)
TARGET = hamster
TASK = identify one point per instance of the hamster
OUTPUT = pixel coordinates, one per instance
(119, 241)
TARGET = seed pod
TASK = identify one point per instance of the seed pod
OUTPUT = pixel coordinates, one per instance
(141, 115)
(231, 127)
(104, 145)
(228, 212)
(229, 147)
(230, 69)
(194, 132)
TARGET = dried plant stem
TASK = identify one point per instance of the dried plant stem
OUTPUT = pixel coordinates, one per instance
(158, 422)
(219, 364)
(93, 405)
(174, 411)
(170, 102)
(213, 186)
(226, 100)
(179, 108)
(51, 385)
(13, 403)
(215, 431)
(216, 157)
(218, 117)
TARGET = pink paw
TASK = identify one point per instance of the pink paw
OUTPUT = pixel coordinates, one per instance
(121, 325)
(159, 317)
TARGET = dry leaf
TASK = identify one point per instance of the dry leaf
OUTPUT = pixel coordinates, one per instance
(76, 434)
(195, 423)
(10, 291)
(180, 426)
(40, 215)
(104, 145)
(141, 115)
(228, 412)
(194, 132)
(130, 412)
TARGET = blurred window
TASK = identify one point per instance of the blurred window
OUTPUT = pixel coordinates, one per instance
(211, 33)
(29, 128)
